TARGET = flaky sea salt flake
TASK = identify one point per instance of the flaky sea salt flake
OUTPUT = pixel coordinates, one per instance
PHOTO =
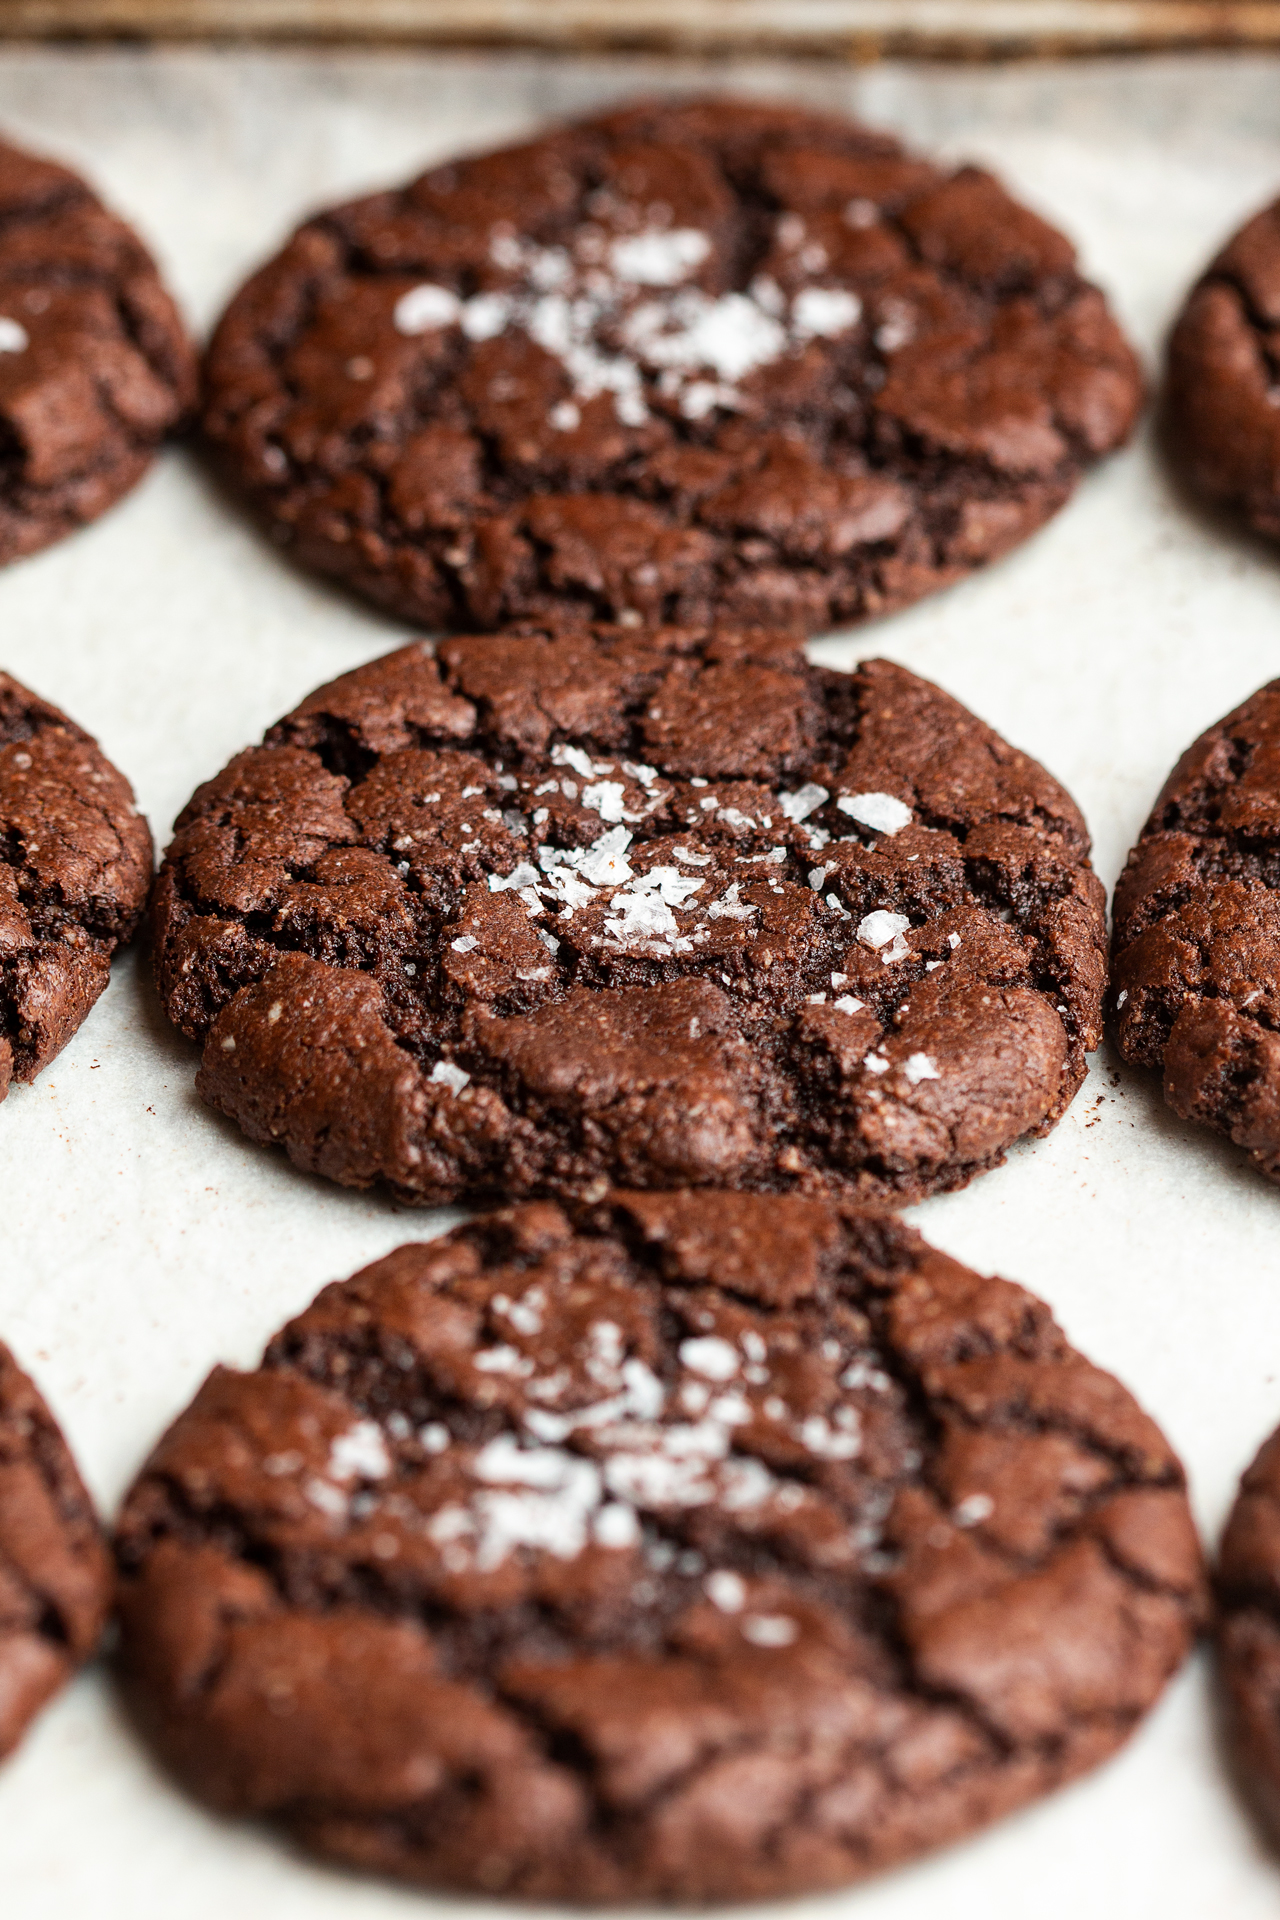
(879, 811)
(805, 800)
(876, 930)
(426, 309)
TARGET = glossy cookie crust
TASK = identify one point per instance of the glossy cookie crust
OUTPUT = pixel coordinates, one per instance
(55, 1571)
(1248, 1632)
(1196, 946)
(95, 365)
(669, 908)
(1224, 377)
(709, 360)
(714, 1547)
(75, 867)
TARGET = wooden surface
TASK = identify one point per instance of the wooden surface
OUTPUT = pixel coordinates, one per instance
(852, 27)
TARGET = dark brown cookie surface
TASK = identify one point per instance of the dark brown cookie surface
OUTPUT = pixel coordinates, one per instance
(1196, 947)
(1248, 1632)
(55, 1571)
(667, 907)
(1223, 393)
(728, 1546)
(709, 360)
(75, 866)
(95, 366)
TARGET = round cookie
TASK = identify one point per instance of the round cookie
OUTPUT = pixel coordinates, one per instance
(720, 1546)
(1248, 1632)
(75, 866)
(1224, 377)
(55, 1571)
(1196, 946)
(687, 361)
(657, 908)
(95, 366)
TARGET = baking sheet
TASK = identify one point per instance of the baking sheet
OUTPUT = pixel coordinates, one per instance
(857, 28)
(143, 1239)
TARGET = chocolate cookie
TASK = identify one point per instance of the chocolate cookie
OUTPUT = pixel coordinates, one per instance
(1248, 1632)
(688, 361)
(1223, 394)
(75, 865)
(55, 1571)
(95, 368)
(663, 908)
(1196, 959)
(727, 1546)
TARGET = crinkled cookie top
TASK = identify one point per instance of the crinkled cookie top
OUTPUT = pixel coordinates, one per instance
(711, 1546)
(707, 360)
(669, 907)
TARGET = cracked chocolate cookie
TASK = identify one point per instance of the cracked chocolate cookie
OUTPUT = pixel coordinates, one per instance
(663, 908)
(1196, 949)
(688, 361)
(1248, 1632)
(724, 1546)
(1223, 390)
(95, 366)
(55, 1571)
(75, 866)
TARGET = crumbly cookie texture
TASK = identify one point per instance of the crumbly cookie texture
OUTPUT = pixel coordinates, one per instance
(1248, 1632)
(95, 365)
(75, 867)
(668, 908)
(1196, 947)
(1223, 387)
(688, 361)
(55, 1570)
(709, 1546)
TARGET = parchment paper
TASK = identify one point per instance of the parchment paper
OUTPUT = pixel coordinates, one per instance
(141, 1238)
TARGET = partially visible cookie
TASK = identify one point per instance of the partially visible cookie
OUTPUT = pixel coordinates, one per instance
(671, 908)
(95, 365)
(55, 1571)
(75, 866)
(712, 1547)
(1196, 946)
(691, 360)
(1223, 390)
(1248, 1582)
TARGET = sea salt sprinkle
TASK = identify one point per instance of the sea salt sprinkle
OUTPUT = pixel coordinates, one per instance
(805, 800)
(446, 1074)
(712, 1357)
(660, 257)
(654, 1448)
(640, 904)
(878, 929)
(770, 1630)
(726, 1590)
(13, 337)
(360, 1453)
(625, 320)
(879, 811)
(973, 1509)
(426, 309)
